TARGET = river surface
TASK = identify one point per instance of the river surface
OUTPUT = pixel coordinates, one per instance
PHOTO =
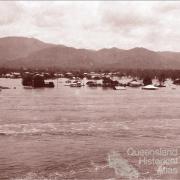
(87, 133)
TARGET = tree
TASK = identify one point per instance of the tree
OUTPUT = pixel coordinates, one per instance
(147, 80)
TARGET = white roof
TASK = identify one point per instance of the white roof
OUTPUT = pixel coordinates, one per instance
(150, 86)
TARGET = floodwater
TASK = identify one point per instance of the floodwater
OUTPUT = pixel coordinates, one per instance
(88, 133)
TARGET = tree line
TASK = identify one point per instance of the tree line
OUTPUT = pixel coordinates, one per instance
(138, 73)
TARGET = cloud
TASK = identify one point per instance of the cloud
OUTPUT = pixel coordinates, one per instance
(94, 24)
(121, 15)
(9, 12)
(48, 15)
(168, 7)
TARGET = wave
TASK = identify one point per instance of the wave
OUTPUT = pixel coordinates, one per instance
(89, 171)
(80, 128)
(38, 176)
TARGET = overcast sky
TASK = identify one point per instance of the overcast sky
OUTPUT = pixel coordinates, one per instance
(95, 24)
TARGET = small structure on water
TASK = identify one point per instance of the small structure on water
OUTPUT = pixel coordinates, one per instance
(3, 87)
(119, 88)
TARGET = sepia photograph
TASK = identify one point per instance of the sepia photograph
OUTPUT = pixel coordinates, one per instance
(89, 90)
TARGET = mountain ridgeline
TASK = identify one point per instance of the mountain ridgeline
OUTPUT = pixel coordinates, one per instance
(18, 52)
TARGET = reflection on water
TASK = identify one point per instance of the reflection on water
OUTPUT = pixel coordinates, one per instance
(69, 133)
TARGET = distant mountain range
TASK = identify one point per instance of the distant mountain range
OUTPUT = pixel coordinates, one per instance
(16, 52)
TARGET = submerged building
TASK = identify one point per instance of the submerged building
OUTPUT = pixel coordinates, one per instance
(35, 80)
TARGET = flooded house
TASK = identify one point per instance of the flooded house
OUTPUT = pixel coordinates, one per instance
(16, 75)
(59, 75)
(93, 84)
(134, 83)
(93, 75)
(176, 81)
(8, 75)
(36, 81)
(108, 82)
(68, 75)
